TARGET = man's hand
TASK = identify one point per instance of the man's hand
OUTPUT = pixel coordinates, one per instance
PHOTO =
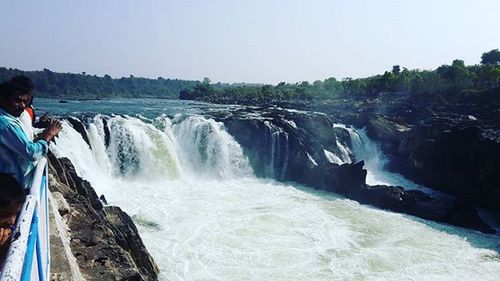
(52, 130)
(4, 235)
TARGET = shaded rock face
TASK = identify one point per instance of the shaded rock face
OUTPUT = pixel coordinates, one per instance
(78, 126)
(104, 239)
(287, 146)
(349, 180)
(458, 157)
(447, 145)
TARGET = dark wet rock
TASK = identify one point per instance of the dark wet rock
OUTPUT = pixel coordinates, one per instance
(127, 236)
(451, 211)
(103, 239)
(103, 199)
(345, 179)
(284, 145)
(106, 132)
(448, 154)
(78, 126)
(450, 145)
(348, 180)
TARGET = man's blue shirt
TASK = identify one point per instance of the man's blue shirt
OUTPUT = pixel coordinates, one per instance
(17, 152)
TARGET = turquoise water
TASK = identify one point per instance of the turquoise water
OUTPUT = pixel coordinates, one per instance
(149, 108)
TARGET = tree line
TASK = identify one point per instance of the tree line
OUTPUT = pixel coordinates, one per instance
(446, 82)
(455, 81)
(83, 86)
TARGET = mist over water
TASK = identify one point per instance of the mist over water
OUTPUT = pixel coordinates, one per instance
(203, 215)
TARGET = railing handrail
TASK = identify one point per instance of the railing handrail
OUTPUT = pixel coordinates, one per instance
(37, 178)
(29, 252)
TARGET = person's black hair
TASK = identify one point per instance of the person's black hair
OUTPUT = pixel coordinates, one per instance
(22, 84)
(5, 89)
(10, 191)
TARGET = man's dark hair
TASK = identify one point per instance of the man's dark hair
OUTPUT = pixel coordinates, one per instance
(11, 192)
(22, 84)
(5, 89)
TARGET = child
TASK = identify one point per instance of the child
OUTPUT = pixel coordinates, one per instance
(11, 200)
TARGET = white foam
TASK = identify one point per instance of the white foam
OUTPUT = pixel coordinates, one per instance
(332, 158)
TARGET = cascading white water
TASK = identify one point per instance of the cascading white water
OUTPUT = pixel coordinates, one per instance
(367, 150)
(203, 216)
(140, 150)
(277, 139)
(97, 143)
(346, 154)
(207, 149)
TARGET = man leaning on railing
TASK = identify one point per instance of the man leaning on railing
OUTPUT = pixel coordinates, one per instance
(18, 152)
(18, 156)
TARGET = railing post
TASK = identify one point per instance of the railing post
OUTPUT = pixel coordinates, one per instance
(31, 248)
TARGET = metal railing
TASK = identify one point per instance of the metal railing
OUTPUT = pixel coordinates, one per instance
(28, 256)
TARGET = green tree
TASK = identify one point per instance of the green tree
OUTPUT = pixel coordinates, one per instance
(396, 69)
(491, 57)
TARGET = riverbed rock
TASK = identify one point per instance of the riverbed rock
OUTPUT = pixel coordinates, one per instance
(104, 240)
(79, 127)
(458, 156)
(285, 145)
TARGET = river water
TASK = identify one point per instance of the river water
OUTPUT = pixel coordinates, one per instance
(203, 215)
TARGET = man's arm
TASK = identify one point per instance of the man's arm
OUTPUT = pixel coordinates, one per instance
(16, 140)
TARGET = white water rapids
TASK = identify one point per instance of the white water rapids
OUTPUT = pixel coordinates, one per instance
(204, 216)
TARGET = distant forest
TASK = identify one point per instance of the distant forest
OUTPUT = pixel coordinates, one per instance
(446, 82)
(83, 86)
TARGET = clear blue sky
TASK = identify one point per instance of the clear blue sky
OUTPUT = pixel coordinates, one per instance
(265, 41)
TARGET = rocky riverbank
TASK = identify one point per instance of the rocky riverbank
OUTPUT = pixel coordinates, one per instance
(451, 145)
(103, 239)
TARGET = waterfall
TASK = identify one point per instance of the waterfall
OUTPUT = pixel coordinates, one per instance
(343, 152)
(96, 135)
(363, 148)
(139, 149)
(161, 149)
(206, 149)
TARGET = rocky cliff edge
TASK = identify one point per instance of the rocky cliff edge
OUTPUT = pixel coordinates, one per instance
(103, 239)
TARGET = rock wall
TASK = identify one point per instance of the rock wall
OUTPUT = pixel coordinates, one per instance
(104, 240)
(460, 157)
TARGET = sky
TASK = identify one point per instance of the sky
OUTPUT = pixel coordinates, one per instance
(254, 41)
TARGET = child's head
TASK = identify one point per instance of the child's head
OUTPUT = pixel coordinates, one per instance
(11, 199)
